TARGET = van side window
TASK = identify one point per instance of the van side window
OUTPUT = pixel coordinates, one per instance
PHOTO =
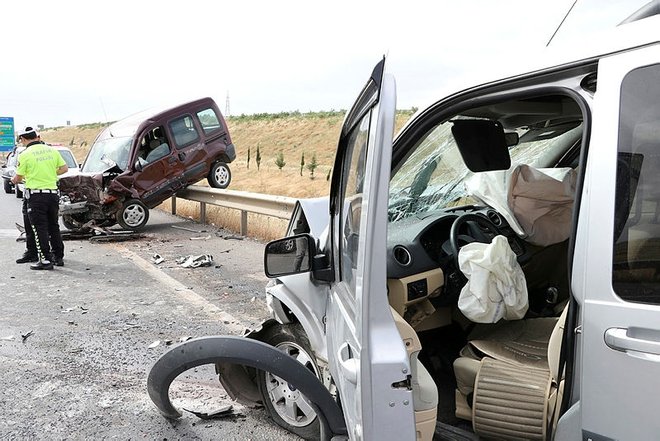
(636, 257)
(184, 131)
(209, 120)
(153, 146)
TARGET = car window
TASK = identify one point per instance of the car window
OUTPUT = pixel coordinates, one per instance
(351, 208)
(209, 121)
(68, 158)
(636, 254)
(184, 131)
(106, 153)
(433, 174)
(153, 146)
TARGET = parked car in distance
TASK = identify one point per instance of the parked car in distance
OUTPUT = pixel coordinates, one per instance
(138, 162)
(69, 158)
(9, 169)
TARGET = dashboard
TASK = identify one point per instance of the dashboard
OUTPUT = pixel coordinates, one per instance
(421, 243)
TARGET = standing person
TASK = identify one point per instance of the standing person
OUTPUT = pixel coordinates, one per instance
(39, 164)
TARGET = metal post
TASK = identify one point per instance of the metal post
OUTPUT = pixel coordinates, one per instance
(202, 212)
(174, 205)
(244, 215)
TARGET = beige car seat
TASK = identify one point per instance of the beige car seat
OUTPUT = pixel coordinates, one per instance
(507, 378)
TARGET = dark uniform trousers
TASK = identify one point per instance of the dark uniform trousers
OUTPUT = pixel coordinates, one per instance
(43, 210)
(30, 240)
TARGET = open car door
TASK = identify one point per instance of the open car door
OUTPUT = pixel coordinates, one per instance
(368, 360)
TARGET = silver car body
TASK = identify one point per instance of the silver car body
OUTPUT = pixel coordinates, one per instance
(613, 367)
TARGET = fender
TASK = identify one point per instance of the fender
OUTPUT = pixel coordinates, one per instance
(246, 352)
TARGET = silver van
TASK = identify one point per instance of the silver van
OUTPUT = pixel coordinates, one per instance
(492, 272)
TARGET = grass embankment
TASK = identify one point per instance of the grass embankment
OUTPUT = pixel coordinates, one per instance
(288, 135)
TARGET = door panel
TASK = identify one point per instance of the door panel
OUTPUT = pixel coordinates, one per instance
(161, 173)
(620, 283)
(189, 148)
(368, 359)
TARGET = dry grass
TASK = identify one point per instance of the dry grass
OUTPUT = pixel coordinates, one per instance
(313, 134)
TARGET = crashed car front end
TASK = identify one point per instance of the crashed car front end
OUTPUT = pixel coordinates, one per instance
(86, 197)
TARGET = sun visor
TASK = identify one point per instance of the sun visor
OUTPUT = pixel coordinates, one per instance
(482, 144)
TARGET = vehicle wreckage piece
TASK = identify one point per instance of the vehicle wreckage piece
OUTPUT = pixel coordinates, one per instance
(245, 352)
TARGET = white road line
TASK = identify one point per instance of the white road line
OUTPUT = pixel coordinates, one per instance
(186, 294)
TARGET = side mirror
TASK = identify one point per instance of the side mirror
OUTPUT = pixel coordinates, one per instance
(291, 255)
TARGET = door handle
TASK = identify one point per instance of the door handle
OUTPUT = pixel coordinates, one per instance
(348, 364)
(633, 339)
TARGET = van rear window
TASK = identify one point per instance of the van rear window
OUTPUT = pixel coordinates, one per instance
(209, 121)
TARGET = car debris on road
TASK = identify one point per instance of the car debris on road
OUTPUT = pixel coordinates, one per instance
(195, 261)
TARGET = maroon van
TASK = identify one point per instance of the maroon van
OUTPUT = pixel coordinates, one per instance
(138, 162)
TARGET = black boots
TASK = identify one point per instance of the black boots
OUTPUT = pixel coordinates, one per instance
(27, 258)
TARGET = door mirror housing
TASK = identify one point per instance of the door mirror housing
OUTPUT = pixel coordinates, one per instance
(291, 255)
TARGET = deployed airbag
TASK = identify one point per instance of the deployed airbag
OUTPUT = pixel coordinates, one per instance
(496, 285)
(537, 203)
(542, 201)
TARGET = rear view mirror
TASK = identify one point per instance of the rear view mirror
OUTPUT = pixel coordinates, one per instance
(290, 255)
(482, 144)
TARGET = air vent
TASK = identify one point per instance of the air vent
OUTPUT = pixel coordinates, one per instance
(402, 255)
(495, 218)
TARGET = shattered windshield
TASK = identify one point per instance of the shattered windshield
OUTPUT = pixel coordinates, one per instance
(108, 152)
(432, 175)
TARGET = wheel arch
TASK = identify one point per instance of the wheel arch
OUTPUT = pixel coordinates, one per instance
(246, 352)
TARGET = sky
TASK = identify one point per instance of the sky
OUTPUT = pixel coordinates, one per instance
(89, 61)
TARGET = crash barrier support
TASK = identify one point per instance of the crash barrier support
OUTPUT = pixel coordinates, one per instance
(264, 204)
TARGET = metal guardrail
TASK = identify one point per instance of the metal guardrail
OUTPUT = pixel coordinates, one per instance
(267, 205)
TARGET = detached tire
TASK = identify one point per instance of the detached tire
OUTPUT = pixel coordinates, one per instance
(133, 215)
(287, 406)
(219, 175)
(8, 187)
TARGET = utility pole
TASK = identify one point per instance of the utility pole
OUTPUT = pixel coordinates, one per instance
(227, 105)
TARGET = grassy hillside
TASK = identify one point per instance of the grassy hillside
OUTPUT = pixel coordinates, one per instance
(291, 134)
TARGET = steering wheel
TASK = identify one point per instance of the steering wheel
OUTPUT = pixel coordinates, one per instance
(458, 240)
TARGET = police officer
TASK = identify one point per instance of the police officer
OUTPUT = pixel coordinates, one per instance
(40, 164)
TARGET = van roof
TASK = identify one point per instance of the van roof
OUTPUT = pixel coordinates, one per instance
(644, 32)
(128, 126)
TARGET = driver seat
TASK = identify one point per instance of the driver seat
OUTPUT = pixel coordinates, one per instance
(508, 381)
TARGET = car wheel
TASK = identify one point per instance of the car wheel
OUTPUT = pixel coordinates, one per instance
(220, 175)
(18, 192)
(287, 406)
(8, 187)
(133, 215)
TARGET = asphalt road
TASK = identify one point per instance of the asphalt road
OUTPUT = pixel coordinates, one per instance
(91, 329)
